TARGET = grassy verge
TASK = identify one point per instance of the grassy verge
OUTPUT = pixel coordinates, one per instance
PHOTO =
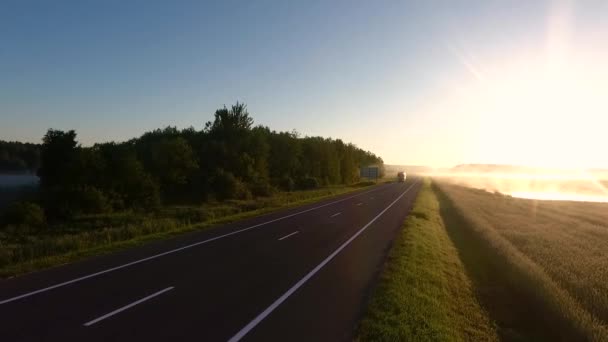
(424, 293)
(26, 251)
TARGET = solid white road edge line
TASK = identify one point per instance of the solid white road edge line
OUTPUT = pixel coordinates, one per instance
(288, 235)
(302, 281)
(175, 250)
(336, 214)
(127, 307)
(359, 204)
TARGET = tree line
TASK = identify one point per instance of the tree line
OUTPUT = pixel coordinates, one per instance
(229, 158)
(17, 157)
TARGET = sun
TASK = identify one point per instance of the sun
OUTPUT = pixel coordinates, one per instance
(541, 105)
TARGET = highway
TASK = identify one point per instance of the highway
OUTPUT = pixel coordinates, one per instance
(302, 274)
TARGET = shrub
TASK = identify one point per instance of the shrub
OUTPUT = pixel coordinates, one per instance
(115, 200)
(326, 181)
(308, 183)
(226, 186)
(24, 213)
(261, 188)
(144, 193)
(242, 192)
(67, 202)
(92, 201)
(287, 184)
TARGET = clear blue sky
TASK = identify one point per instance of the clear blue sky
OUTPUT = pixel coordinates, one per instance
(385, 75)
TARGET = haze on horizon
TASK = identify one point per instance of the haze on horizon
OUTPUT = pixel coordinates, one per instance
(427, 83)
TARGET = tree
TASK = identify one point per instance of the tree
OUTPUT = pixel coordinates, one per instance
(128, 178)
(17, 157)
(228, 158)
(57, 157)
(172, 162)
(227, 124)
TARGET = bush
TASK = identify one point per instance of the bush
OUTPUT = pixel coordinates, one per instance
(143, 193)
(226, 186)
(65, 203)
(261, 188)
(24, 213)
(287, 184)
(308, 183)
(242, 191)
(92, 201)
(115, 200)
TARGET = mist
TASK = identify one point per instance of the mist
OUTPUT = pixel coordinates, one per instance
(533, 183)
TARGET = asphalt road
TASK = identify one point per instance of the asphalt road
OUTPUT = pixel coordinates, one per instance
(302, 274)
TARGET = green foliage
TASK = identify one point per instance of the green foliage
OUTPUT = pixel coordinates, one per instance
(174, 160)
(84, 235)
(242, 191)
(58, 158)
(91, 200)
(261, 188)
(66, 202)
(16, 157)
(227, 122)
(308, 183)
(287, 184)
(226, 186)
(24, 214)
(228, 159)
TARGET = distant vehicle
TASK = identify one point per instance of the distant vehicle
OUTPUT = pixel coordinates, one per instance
(401, 176)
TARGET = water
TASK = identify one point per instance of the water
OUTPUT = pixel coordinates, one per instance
(10, 181)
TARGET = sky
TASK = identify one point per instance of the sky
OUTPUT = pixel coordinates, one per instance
(433, 83)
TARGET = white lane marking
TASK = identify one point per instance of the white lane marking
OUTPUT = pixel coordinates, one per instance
(359, 204)
(28, 294)
(288, 235)
(127, 307)
(294, 288)
(336, 214)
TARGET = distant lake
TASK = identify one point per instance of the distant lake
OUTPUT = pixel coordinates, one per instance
(17, 180)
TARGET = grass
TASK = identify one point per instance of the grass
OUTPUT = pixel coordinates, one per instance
(24, 250)
(539, 267)
(424, 293)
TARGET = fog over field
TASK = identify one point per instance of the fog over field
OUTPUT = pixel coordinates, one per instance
(8, 181)
(534, 183)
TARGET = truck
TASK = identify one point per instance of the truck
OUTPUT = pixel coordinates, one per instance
(401, 177)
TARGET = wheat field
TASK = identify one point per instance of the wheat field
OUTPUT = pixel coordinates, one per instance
(560, 249)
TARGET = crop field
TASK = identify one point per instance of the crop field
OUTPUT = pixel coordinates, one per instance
(553, 254)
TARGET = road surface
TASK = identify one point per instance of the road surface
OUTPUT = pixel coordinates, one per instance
(301, 274)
